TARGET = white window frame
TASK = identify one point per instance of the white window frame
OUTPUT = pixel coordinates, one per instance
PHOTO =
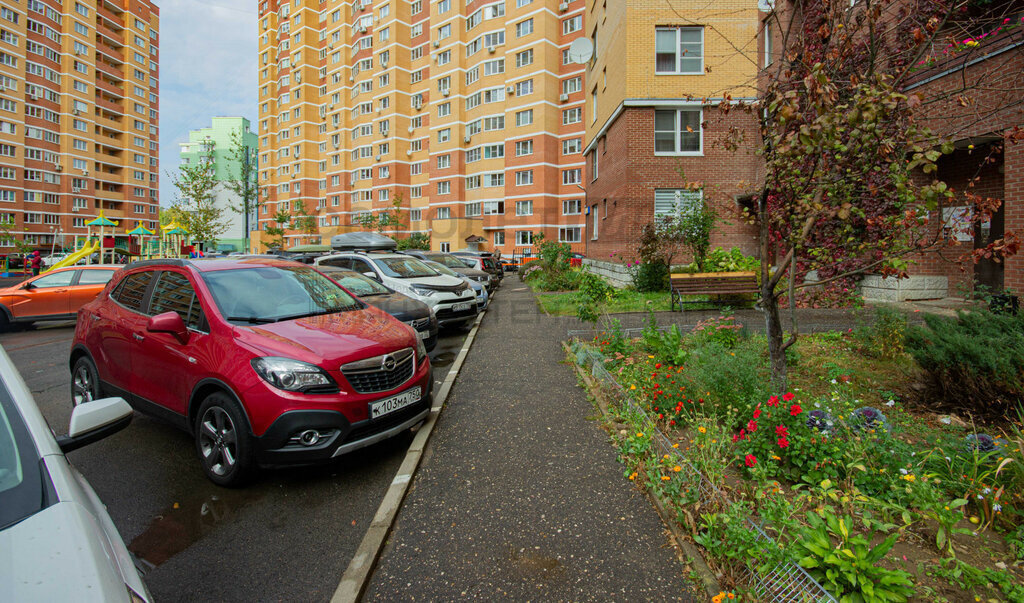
(678, 133)
(678, 57)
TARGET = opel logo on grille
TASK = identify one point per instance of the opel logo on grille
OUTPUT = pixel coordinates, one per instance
(388, 363)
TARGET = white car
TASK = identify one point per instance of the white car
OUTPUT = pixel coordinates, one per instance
(451, 298)
(57, 542)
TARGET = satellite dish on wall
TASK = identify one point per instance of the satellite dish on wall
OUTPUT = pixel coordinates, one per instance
(581, 50)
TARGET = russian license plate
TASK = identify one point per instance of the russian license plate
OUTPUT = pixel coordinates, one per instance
(383, 407)
(423, 334)
(460, 307)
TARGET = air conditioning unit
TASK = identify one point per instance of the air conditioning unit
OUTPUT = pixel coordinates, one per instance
(352, 181)
(331, 46)
(437, 43)
(34, 96)
(411, 129)
(563, 7)
(511, 90)
(76, 112)
(294, 175)
(330, 106)
(337, 146)
(2, 88)
(85, 172)
(491, 49)
(298, 78)
(359, 7)
(408, 152)
(351, 78)
(468, 138)
(58, 167)
(563, 97)
(376, 158)
(362, 29)
(446, 92)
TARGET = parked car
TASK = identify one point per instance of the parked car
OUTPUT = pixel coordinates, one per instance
(452, 300)
(57, 542)
(50, 260)
(263, 361)
(56, 295)
(457, 265)
(482, 297)
(482, 260)
(412, 312)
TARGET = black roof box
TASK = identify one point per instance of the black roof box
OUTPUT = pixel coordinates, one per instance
(362, 241)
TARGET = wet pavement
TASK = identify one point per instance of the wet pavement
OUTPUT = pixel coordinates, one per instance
(288, 536)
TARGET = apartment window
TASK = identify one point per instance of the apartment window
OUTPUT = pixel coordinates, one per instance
(523, 59)
(416, 53)
(593, 164)
(572, 24)
(384, 171)
(472, 182)
(415, 215)
(416, 7)
(767, 43)
(593, 212)
(524, 28)
(524, 118)
(444, 135)
(444, 187)
(571, 146)
(416, 30)
(572, 85)
(570, 235)
(524, 177)
(524, 208)
(445, 247)
(494, 67)
(525, 87)
(494, 151)
(675, 202)
(443, 213)
(473, 209)
(416, 169)
(677, 131)
(571, 176)
(679, 50)
(494, 208)
(444, 6)
(571, 207)
(444, 161)
(443, 58)
(444, 31)
(524, 238)
(499, 238)
(524, 147)
(472, 75)
(444, 109)
(572, 116)
(522, 3)
(81, 9)
(416, 76)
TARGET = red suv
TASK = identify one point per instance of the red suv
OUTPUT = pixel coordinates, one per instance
(263, 361)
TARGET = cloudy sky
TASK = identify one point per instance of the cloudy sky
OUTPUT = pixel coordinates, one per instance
(208, 63)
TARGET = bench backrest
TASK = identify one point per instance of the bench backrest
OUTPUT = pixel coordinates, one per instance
(725, 282)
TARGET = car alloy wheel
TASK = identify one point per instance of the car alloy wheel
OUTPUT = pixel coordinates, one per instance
(84, 384)
(223, 442)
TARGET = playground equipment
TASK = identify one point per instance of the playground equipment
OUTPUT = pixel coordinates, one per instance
(102, 222)
(141, 232)
(87, 249)
(172, 239)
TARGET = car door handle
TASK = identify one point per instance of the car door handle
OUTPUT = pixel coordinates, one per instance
(138, 337)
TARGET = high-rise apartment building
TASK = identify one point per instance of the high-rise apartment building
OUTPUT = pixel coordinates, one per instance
(229, 144)
(466, 115)
(79, 94)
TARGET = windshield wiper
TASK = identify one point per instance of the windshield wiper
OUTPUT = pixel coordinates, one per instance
(318, 312)
(253, 320)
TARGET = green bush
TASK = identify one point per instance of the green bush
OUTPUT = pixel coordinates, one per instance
(551, 271)
(730, 380)
(732, 260)
(885, 337)
(649, 277)
(594, 292)
(976, 359)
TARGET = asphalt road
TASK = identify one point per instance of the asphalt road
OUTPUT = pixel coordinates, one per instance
(288, 536)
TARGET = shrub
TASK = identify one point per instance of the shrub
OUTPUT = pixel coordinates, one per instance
(885, 337)
(551, 271)
(650, 276)
(732, 260)
(594, 292)
(976, 359)
(730, 379)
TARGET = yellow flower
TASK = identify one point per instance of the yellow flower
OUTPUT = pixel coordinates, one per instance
(776, 457)
(632, 476)
(718, 598)
(651, 357)
(677, 468)
(639, 434)
(665, 478)
(676, 445)
(632, 387)
(666, 457)
(702, 429)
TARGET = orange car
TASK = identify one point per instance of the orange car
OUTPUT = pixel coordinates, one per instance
(56, 295)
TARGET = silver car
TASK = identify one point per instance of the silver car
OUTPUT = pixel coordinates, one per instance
(57, 542)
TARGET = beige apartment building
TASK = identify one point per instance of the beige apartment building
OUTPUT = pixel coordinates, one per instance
(466, 115)
(79, 102)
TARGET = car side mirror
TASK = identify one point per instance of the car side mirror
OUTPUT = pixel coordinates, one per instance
(28, 286)
(372, 275)
(169, 322)
(95, 420)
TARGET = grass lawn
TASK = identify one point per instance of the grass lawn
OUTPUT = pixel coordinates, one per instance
(564, 303)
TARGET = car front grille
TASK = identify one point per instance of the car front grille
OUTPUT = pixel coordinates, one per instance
(371, 376)
(420, 324)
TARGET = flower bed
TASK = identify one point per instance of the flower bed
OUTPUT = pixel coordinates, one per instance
(838, 477)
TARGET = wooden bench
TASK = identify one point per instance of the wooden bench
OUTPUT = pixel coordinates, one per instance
(713, 284)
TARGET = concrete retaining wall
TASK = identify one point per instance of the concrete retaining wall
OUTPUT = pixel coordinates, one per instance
(616, 274)
(877, 288)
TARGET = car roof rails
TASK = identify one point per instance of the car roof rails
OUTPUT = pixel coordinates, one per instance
(363, 242)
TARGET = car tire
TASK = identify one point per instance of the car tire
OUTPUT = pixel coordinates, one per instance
(85, 382)
(223, 443)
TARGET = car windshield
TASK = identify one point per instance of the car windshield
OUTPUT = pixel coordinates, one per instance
(21, 485)
(442, 268)
(445, 260)
(357, 283)
(405, 267)
(264, 294)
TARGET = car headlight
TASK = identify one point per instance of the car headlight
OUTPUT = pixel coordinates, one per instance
(423, 291)
(290, 375)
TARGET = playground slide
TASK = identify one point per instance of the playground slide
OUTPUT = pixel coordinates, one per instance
(88, 249)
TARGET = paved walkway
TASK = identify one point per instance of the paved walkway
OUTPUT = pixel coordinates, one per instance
(520, 496)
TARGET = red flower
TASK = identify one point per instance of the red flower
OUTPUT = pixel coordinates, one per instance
(781, 431)
(783, 442)
(795, 410)
(752, 426)
(657, 365)
(751, 460)
(735, 438)
(757, 413)
(773, 401)
(786, 397)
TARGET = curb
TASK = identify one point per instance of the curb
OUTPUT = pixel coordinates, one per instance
(694, 557)
(357, 574)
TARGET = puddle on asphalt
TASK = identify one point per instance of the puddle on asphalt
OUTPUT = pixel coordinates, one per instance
(532, 563)
(185, 522)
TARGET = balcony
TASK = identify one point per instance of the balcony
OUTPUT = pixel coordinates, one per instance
(105, 50)
(110, 37)
(109, 88)
(104, 13)
(110, 106)
(110, 71)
